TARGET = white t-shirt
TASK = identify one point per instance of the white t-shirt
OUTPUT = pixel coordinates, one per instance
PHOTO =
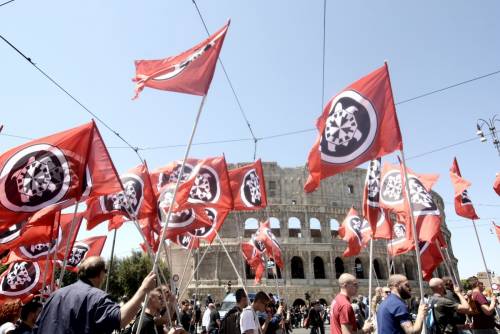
(7, 327)
(249, 320)
(205, 321)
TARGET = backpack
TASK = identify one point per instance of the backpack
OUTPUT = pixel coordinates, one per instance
(431, 326)
(230, 324)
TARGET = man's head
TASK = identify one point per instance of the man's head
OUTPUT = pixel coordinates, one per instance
(399, 284)
(385, 292)
(261, 300)
(378, 291)
(185, 305)
(156, 301)
(241, 298)
(448, 283)
(348, 285)
(93, 270)
(30, 312)
(475, 283)
(437, 286)
(211, 306)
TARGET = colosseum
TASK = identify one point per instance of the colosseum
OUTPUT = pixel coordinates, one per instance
(307, 227)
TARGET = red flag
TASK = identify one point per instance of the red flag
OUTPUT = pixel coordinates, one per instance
(43, 244)
(497, 230)
(253, 256)
(393, 198)
(402, 236)
(384, 226)
(53, 171)
(371, 194)
(271, 244)
(248, 187)
(356, 231)
(83, 249)
(496, 184)
(191, 72)
(431, 257)
(135, 201)
(23, 278)
(463, 205)
(357, 125)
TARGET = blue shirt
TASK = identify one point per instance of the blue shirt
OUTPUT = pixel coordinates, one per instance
(391, 313)
(78, 308)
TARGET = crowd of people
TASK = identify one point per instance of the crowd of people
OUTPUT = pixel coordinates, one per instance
(83, 307)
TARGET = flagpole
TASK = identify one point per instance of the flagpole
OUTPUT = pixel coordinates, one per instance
(481, 249)
(187, 263)
(370, 278)
(455, 276)
(414, 228)
(446, 264)
(195, 270)
(111, 261)
(54, 245)
(67, 250)
(231, 260)
(387, 259)
(164, 230)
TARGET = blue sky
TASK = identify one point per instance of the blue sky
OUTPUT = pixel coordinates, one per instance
(273, 54)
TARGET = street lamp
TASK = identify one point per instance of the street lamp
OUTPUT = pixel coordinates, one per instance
(490, 123)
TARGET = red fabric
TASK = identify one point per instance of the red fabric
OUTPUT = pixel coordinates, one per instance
(496, 184)
(83, 249)
(365, 113)
(248, 187)
(431, 257)
(463, 205)
(272, 246)
(190, 72)
(53, 241)
(68, 166)
(23, 279)
(402, 236)
(356, 231)
(253, 256)
(341, 313)
(497, 230)
(371, 193)
(384, 226)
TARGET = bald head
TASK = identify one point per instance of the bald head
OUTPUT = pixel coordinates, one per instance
(395, 280)
(91, 267)
(345, 279)
(437, 285)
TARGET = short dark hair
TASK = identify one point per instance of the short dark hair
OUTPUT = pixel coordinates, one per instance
(240, 294)
(262, 297)
(28, 308)
(473, 281)
(91, 267)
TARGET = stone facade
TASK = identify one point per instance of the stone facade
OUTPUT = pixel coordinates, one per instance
(306, 225)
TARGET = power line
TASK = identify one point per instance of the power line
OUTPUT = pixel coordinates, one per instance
(255, 139)
(5, 3)
(135, 149)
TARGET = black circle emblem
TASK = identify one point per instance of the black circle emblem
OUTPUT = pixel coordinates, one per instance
(420, 198)
(33, 178)
(258, 244)
(35, 251)
(128, 201)
(206, 187)
(77, 254)
(399, 231)
(350, 128)
(250, 189)
(373, 181)
(179, 219)
(205, 230)
(22, 277)
(184, 240)
(465, 198)
(173, 176)
(12, 233)
(355, 224)
(391, 190)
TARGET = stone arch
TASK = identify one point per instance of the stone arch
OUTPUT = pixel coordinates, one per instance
(297, 267)
(378, 269)
(299, 302)
(334, 227)
(358, 268)
(275, 226)
(294, 227)
(409, 272)
(339, 267)
(315, 227)
(251, 226)
(319, 268)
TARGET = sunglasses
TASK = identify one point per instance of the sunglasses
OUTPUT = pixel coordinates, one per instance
(387, 292)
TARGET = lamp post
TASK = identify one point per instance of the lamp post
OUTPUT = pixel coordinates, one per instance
(490, 123)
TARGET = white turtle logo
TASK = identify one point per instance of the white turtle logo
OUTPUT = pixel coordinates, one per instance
(391, 191)
(373, 182)
(250, 189)
(77, 254)
(21, 278)
(350, 128)
(38, 250)
(33, 178)
(129, 200)
(206, 186)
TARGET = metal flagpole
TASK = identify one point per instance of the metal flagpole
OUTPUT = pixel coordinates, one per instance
(454, 275)
(195, 270)
(111, 261)
(232, 263)
(370, 278)
(414, 229)
(481, 249)
(67, 250)
(169, 214)
(186, 265)
(53, 246)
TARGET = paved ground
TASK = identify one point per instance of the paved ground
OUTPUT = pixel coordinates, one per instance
(307, 331)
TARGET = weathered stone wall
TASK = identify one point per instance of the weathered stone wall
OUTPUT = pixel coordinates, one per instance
(318, 214)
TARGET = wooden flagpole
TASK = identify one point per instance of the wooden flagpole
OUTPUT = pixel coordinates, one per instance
(194, 271)
(481, 249)
(67, 250)
(232, 263)
(169, 214)
(370, 278)
(111, 261)
(52, 246)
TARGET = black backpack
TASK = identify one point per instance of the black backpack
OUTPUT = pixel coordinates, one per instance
(230, 324)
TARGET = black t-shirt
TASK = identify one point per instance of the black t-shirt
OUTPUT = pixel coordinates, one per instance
(459, 318)
(444, 313)
(186, 320)
(148, 325)
(214, 316)
(22, 328)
